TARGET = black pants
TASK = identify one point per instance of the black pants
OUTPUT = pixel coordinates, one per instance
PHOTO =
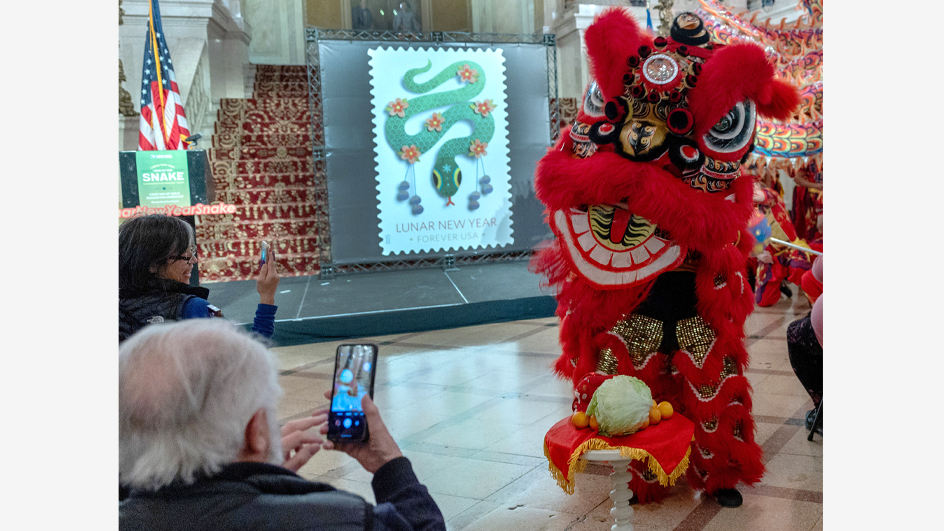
(806, 357)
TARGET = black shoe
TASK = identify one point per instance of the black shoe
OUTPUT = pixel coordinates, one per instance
(728, 497)
(786, 291)
(634, 500)
(810, 417)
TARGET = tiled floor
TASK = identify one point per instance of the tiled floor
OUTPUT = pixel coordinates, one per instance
(470, 408)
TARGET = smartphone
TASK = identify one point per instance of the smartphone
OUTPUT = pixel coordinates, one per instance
(354, 369)
(264, 255)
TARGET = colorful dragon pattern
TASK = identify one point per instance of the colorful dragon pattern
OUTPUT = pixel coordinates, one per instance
(797, 53)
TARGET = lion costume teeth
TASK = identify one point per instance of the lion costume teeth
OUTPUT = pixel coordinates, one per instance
(644, 195)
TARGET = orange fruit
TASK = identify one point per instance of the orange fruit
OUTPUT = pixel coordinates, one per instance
(645, 424)
(593, 424)
(580, 420)
(666, 409)
(655, 416)
(653, 401)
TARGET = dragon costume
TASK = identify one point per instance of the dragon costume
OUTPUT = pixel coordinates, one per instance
(650, 218)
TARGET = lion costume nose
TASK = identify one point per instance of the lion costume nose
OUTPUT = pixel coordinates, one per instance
(643, 138)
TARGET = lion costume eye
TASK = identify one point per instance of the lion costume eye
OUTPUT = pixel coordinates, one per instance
(733, 131)
(593, 100)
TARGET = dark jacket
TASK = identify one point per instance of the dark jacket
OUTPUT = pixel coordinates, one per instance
(266, 497)
(163, 303)
(169, 300)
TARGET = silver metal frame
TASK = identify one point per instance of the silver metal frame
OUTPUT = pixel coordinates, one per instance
(313, 62)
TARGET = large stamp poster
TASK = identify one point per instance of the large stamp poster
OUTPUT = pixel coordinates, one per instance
(441, 149)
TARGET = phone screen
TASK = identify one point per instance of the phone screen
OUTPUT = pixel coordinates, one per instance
(353, 378)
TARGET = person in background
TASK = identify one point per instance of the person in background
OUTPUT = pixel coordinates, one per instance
(361, 17)
(156, 254)
(405, 19)
(200, 448)
(805, 349)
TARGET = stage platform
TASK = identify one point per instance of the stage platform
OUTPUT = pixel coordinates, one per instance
(390, 302)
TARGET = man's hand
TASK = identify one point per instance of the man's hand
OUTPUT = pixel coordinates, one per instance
(298, 444)
(268, 279)
(378, 450)
(765, 257)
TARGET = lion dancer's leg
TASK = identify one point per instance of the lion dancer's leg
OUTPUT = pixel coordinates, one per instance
(717, 397)
(631, 348)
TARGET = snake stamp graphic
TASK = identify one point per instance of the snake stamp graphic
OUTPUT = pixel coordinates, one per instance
(441, 148)
(443, 109)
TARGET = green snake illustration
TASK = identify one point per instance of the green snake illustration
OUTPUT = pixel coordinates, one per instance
(446, 174)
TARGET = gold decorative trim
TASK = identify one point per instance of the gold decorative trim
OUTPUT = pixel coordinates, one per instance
(695, 337)
(642, 336)
(575, 465)
(606, 361)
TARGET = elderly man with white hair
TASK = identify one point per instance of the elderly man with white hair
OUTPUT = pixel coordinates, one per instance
(200, 446)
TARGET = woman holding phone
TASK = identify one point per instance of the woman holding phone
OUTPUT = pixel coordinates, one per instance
(156, 254)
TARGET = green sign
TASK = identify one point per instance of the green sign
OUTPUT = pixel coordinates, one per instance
(163, 178)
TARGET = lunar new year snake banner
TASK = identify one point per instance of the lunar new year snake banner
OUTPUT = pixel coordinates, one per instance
(440, 139)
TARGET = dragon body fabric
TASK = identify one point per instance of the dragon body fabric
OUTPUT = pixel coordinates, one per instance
(650, 218)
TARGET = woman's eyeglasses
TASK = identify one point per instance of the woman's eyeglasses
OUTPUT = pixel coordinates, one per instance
(192, 259)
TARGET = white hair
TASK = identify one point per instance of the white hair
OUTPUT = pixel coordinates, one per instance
(186, 393)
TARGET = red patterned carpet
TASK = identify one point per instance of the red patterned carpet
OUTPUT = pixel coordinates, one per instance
(261, 161)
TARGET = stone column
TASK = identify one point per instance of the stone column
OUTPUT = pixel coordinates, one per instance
(570, 25)
(278, 36)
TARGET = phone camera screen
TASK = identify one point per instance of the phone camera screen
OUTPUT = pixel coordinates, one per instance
(352, 380)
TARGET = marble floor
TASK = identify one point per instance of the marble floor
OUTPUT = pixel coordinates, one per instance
(470, 407)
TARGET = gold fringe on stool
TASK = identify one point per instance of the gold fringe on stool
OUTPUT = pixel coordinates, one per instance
(665, 446)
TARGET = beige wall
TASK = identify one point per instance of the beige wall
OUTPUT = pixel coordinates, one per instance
(452, 15)
(483, 16)
(324, 13)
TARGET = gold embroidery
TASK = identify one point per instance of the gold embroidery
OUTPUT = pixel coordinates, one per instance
(730, 367)
(642, 336)
(737, 430)
(720, 281)
(649, 476)
(606, 361)
(695, 337)
(710, 424)
(707, 390)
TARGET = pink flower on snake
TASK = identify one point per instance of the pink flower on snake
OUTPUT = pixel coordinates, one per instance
(477, 148)
(468, 74)
(397, 107)
(435, 123)
(409, 153)
(483, 107)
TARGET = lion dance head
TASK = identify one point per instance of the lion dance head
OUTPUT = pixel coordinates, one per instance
(650, 169)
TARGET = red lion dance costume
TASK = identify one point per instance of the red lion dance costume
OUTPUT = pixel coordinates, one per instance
(651, 222)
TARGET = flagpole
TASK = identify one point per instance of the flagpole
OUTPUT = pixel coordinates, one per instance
(798, 247)
(157, 69)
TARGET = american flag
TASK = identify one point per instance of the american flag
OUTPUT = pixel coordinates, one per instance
(163, 124)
